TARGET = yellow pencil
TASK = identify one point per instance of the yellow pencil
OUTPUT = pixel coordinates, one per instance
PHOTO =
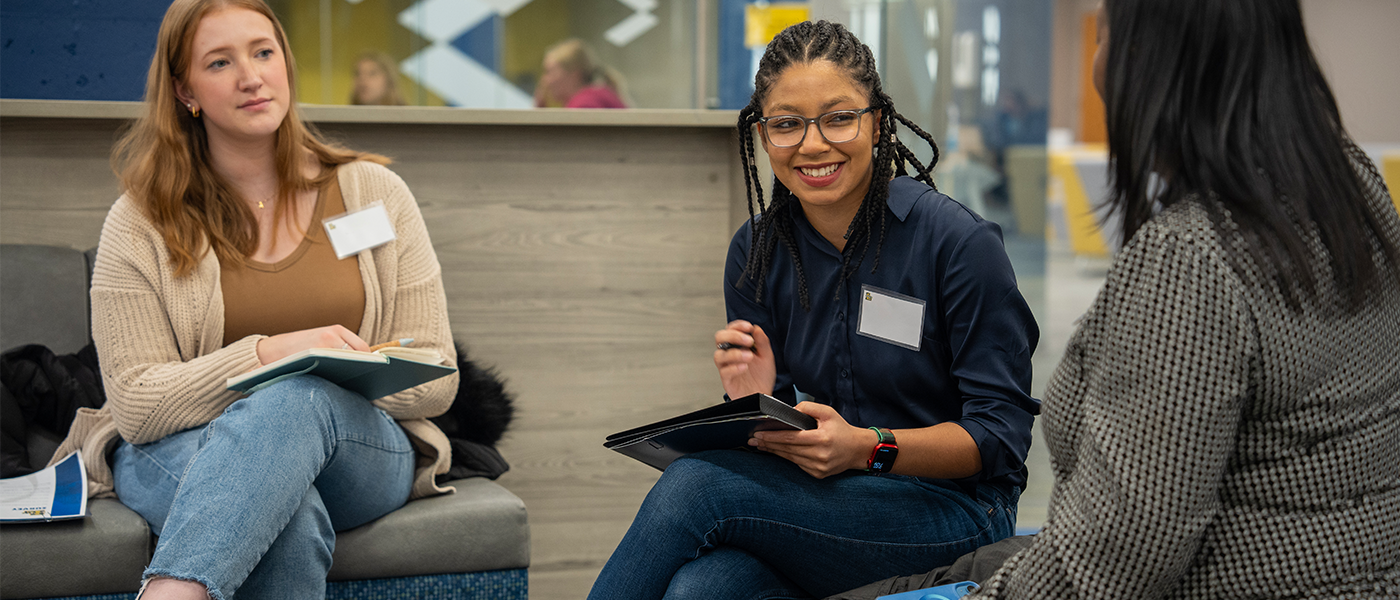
(393, 344)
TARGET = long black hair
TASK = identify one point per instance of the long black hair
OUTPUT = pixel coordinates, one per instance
(805, 43)
(1225, 100)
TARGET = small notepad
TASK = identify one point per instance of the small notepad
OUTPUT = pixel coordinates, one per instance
(373, 375)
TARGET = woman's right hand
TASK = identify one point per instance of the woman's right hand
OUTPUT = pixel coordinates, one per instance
(744, 371)
(274, 348)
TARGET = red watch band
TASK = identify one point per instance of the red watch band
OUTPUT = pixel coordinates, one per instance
(883, 455)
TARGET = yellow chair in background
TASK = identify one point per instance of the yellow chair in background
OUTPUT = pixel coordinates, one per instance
(1086, 238)
(1078, 184)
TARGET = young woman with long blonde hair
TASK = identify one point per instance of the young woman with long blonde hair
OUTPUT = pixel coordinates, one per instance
(214, 262)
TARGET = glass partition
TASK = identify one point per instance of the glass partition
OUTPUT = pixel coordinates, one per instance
(947, 61)
(975, 74)
(490, 53)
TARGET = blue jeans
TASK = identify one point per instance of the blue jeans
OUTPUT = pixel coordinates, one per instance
(729, 525)
(250, 503)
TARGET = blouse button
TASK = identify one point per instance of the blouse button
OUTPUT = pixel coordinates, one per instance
(845, 374)
(841, 316)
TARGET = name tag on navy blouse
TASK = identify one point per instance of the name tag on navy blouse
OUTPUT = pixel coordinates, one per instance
(891, 317)
(354, 232)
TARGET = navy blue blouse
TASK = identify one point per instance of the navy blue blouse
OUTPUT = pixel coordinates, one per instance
(973, 367)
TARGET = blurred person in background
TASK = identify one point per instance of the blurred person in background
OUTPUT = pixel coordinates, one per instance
(376, 81)
(573, 78)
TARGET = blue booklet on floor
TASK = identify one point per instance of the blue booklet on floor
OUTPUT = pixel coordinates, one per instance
(56, 493)
(373, 375)
(952, 591)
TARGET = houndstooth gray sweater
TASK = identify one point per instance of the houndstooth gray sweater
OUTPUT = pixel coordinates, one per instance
(1209, 442)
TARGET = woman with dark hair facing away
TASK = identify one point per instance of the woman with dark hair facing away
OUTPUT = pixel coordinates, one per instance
(892, 306)
(1225, 421)
(214, 262)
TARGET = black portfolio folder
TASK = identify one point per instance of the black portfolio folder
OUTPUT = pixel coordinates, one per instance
(727, 425)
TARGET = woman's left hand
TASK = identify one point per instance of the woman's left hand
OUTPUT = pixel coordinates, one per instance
(835, 446)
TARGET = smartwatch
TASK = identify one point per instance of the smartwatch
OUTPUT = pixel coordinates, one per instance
(882, 457)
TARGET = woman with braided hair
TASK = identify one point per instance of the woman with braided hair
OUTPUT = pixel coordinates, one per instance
(895, 310)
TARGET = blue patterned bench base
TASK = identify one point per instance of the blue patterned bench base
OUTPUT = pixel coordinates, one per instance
(487, 585)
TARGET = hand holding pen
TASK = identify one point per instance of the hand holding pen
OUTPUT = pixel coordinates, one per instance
(744, 357)
(729, 346)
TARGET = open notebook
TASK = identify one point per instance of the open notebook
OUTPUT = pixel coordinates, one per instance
(373, 375)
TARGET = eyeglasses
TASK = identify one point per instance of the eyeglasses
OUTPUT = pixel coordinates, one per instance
(837, 126)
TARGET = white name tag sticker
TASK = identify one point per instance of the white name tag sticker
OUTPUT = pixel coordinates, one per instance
(891, 317)
(365, 229)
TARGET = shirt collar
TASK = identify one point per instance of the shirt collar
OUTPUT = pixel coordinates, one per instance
(904, 192)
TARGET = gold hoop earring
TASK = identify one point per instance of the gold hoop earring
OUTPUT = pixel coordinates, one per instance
(194, 112)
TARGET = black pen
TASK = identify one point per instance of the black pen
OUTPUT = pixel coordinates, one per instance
(729, 346)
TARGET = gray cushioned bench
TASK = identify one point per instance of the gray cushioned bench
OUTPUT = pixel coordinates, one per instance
(474, 544)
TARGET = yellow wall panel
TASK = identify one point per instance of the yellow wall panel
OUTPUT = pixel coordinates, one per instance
(355, 29)
(1391, 169)
(1093, 120)
(528, 32)
(763, 23)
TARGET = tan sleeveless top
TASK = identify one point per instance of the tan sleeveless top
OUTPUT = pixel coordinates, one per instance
(310, 288)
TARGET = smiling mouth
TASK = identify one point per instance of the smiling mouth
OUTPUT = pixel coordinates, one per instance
(256, 102)
(819, 171)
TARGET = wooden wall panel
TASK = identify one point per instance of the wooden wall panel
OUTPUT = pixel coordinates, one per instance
(55, 180)
(584, 263)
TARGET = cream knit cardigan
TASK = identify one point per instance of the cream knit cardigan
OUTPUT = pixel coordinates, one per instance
(160, 337)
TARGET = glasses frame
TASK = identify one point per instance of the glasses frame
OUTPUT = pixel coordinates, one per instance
(807, 125)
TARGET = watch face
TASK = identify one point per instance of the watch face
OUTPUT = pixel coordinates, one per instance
(883, 458)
